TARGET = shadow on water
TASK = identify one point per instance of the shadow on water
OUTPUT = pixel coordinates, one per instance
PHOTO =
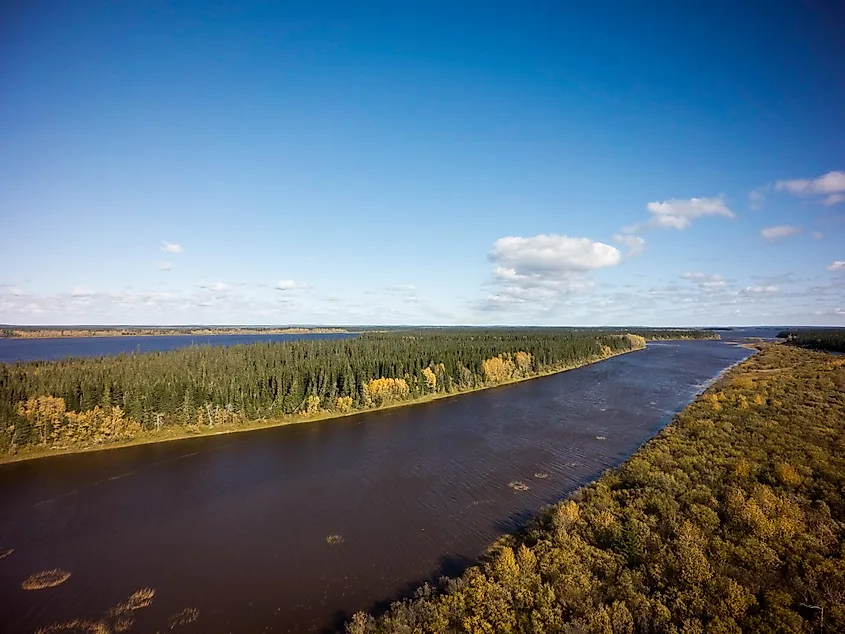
(450, 566)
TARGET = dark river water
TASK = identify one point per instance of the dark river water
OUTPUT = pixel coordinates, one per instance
(238, 526)
(12, 350)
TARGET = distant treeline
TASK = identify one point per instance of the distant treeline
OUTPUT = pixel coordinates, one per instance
(731, 520)
(39, 332)
(87, 401)
(816, 338)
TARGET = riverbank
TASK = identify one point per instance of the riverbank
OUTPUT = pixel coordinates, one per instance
(170, 434)
(729, 520)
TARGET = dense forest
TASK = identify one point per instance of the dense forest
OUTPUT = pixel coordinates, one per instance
(731, 520)
(80, 402)
(816, 338)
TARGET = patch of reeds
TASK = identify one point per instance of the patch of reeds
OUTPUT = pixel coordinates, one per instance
(46, 579)
(183, 617)
(76, 626)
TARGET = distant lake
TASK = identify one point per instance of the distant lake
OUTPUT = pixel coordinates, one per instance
(12, 350)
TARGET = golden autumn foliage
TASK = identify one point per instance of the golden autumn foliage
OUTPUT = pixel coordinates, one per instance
(498, 369)
(380, 391)
(637, 341)
(343, 403)
(57, 426)
(430, 378)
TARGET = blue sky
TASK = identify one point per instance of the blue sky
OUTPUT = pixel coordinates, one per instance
(369, 163)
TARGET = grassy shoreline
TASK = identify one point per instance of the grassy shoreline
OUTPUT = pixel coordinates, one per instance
(731, 519)
(174, 434)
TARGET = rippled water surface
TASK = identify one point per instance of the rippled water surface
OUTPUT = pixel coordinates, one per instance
(238, 526)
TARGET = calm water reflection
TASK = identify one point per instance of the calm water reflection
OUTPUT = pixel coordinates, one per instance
(237, 525)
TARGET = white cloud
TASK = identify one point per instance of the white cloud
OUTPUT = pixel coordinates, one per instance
(170, 247)
(218, 287)
(833, 199)
(289, 285)
(761, 289)
(779, 231)
(538, 271)
(164, 266)
(401, 288)
(706, 281)
(635, 244)
(838, 265)
(679, 214)
(830, 183)
(79, 291)
(818, 235)
(553, 254)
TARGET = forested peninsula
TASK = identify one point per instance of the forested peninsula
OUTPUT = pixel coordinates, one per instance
(86, 403)
(832, 339)
(731, 520)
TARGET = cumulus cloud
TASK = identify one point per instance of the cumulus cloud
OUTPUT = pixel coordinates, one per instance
(164, 266)
(838, 265)
(170, 247)
(553, 254)
(761, 289)
(289, 285)
(401, 288)
(541, 269)
(635, 244)
(779, 231)
(833, 199)
(217, 287)
(80, 291)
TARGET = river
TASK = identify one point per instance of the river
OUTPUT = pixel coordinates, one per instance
(294, 528)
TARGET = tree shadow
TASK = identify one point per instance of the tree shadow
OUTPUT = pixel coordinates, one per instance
(449, 566)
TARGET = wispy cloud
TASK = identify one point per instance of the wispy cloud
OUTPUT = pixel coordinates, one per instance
(170, 247)
(762, 289)
(830, 186)
(757, 197)
(706, 281)
(217, 287)
(679, 214)
(833, 199)
(635, 244)
(779, 231)
(289, 285)
(164, 266)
